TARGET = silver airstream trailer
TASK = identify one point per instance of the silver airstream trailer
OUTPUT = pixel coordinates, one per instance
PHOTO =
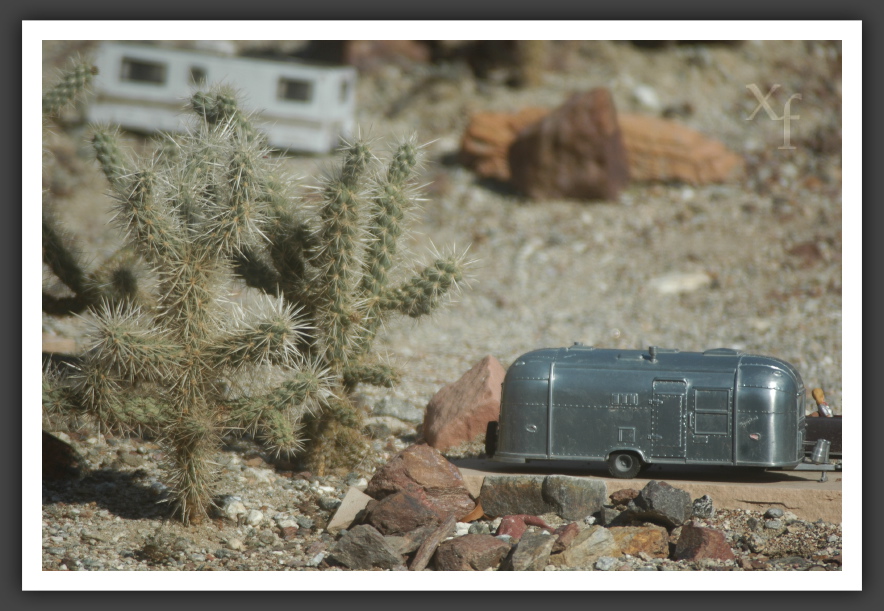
(632, 408)
(300, 107)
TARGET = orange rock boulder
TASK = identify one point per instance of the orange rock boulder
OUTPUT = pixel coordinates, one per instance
(666, 151)
(461, 411)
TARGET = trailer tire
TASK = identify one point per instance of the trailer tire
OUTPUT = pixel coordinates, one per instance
(624, 465)
(491, 439)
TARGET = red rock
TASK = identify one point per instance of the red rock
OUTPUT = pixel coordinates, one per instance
(485, 144)
(289, 533)
(622, 497)
(401, 512)
(422, 467)
(664, 151)
(470, 553)
(461, 411)
(516, 525)
(575, 152)
(565, 534)
(428, 548)
(697, 543)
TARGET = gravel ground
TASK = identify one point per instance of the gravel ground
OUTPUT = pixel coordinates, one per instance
(754, 265)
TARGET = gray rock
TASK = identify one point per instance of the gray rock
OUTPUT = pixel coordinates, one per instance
(574, 498)
(329, 503)
(608, 516)
(590, 545)
(531, 553)
(703, 507)
(304, 522)
(470, 553)
(431, 542)
(409, 542)
(479, 528)
(398, 408)
(661, 503)
(231, 507)
(774, 513)
(514, 494)
(773, 524)
(606, 563)
(363, 548)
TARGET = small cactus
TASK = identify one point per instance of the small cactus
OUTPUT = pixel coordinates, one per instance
(212, 206)
(118, 277)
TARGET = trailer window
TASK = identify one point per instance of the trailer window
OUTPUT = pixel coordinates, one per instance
(295, 90)
(140, 71)
(712, 411)
(345, 91)
(197, 75)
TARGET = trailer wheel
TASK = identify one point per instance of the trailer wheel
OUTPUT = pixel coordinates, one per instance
(624, 465)
(491, 439)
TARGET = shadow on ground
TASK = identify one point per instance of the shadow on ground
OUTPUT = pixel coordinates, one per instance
(126, 494)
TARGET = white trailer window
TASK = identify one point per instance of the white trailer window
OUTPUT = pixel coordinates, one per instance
(142, 71)
(295, 90)
(198, 75)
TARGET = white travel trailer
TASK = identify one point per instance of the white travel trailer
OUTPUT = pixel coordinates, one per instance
(299, 107)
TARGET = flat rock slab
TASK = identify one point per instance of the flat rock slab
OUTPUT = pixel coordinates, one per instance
(797, 491)
(353, 502)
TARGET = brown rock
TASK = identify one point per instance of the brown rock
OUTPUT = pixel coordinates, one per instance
(634, 540)
(516, 525)
(60, 460)
(531, 553)
(565, 534)
(428, 547)
(461, 411)
(622, 497)
(574, 152)
(485, 144)
(664, 151)
(401, 512)
(364, 548)
(591, 544)
(697, 543)
(470, 553)
(289, 533)
(422, 467)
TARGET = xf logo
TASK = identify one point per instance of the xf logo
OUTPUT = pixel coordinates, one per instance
(786, 118)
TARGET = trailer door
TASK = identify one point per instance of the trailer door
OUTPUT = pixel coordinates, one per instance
(667, 434)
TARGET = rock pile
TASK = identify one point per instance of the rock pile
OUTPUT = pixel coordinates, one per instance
(415, 519)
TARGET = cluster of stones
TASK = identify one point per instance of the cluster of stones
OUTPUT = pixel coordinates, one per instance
(417, 513)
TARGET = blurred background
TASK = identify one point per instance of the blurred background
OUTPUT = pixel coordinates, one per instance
(692, 201)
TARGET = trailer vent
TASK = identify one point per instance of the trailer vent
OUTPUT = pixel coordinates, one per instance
(722, 352)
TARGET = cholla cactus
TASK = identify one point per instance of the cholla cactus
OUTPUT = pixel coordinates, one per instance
(335, 267)
(194, 367)
(117, 278)
(211, 206)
